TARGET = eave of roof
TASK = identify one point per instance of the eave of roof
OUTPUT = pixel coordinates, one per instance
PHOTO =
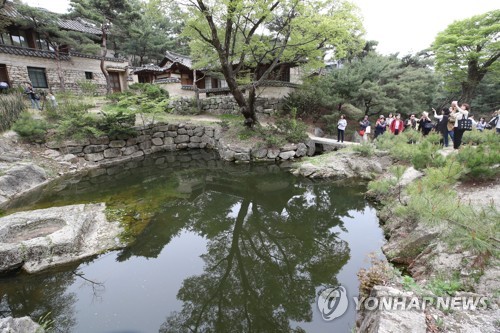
(24, 51)
(28, 52)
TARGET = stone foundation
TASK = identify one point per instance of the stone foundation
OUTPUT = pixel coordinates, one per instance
(225, 105)
(162, 137)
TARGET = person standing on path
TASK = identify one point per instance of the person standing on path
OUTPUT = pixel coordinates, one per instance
(380, 126)
(365, 127)
(462, 113)
(35, 104)
(397, 125)
(341, 126)
(442, 126)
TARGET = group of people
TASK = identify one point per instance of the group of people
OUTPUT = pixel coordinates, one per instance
(447, 125)
(35, 98)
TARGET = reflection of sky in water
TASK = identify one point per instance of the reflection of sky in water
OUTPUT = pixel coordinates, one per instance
(139, 293)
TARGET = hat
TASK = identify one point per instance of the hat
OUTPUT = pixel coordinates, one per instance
(382, 116)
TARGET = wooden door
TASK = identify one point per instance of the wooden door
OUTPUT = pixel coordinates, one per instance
(4, 77)
(115, 81)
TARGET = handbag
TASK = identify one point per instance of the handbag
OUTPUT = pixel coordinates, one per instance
(361, 132)
(428, 125)
(465, 124)
(368, 129)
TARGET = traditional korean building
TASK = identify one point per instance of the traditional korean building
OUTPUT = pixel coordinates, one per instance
(176, 74)
(26, 57)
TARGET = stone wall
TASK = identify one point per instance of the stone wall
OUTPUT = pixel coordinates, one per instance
(225, 105)
(289, 151)
(73, 71)
(168, 137)
(149, 139)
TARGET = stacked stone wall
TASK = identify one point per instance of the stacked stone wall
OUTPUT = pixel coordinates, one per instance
(148, 139)
(73, 71)
(162, 137)
(224, 105)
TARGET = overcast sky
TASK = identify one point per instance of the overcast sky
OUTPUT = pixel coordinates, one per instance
(398, 26)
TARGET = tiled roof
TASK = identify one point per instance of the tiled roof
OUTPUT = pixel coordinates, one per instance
(24, 51)
(79, 25)
(81, 55)
(148, 68)
(176, 57)
(168, 80)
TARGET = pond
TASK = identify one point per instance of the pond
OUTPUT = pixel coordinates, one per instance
(213, 247)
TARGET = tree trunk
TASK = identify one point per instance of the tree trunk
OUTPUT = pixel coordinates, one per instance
(104, 51)
(474, 76)
(196, 92)
(245, 108)
(62, 83)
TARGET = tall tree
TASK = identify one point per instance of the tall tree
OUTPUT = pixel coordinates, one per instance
(467, 50)
(237, 35)
(154, 32)
(373, 84)
(46, 25)
(112, 16)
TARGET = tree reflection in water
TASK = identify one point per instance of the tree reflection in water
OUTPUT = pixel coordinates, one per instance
(44, 294)
(265, 257)
(272, 241)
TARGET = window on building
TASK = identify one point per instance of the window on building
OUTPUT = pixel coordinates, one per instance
(208, 83)
(19, 38)
(89, 75)
(42, 44)
(5, 38)
(38, 77)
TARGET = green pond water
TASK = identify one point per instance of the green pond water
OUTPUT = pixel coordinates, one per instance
(213, 247)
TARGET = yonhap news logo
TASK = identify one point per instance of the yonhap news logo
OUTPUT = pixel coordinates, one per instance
(333, 302)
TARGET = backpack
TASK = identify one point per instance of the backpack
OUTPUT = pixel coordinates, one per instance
(493, 122)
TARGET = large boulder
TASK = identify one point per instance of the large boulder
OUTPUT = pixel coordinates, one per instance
(19, 325)
(342, 165)
(381, 320)
(35, 240)
(20, 178)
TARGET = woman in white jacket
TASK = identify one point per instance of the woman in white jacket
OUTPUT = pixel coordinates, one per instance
(341, 125)
(462, 113)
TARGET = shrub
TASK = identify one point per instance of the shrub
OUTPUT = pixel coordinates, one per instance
(352, 112)
(88, 87)
(481, 162)
(305, 101)
(78, 125)
(292, 129)
(379, 274)
(11, 107)
(365, 149)
(144, 98)
(330, 123)
(426, 155)
(30, 129)
(117, 125)
(444, 287)
(467, 227)
(477, 138)
(274, 140)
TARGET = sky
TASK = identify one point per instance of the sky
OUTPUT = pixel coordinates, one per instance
(399, 26)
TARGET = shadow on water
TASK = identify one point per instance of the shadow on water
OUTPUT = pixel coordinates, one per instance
(271, 240)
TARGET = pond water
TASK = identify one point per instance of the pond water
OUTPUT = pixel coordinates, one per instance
(214, 247)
